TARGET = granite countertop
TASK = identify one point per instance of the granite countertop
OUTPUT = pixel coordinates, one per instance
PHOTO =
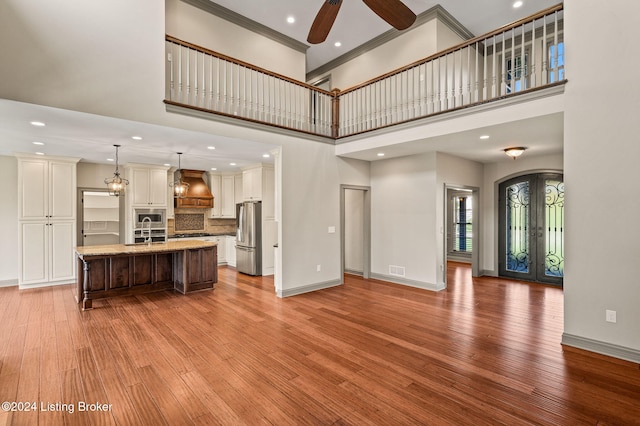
(114, 249)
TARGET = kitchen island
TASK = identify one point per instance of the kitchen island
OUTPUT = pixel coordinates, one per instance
(126, 269)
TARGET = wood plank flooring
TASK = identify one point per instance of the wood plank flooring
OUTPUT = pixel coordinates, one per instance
(484, 351)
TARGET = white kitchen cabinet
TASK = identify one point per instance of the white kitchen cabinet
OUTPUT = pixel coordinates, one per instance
(47, 219)
(231, 250)
(46, 189)
(252, 184)
(222, 250)
(46, 252)
(228, 201)
(214, 186)
(238, 189)
(148, 186)
(258, 184)
(223, 188)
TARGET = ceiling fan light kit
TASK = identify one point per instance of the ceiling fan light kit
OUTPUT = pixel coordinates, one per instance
(394, 12)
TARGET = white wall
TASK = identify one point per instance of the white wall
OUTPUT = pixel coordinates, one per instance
(601, 170)
(497, 172)
(9, 259)
(310, 205)
(413, 45)
(61, 57)
(109, 58)
(91, 175)
(403, 218)
(196, 26)
(452, 171)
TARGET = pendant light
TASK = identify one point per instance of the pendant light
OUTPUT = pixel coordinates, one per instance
(116, 184)
(180, 187)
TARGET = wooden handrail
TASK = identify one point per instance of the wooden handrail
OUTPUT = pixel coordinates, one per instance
(245, 64)
(462, 45)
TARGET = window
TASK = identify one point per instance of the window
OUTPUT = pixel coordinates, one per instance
(556, 62)
(516, 74)
(462, 225)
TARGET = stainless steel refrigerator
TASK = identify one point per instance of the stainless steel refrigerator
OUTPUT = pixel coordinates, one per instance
(249, 237)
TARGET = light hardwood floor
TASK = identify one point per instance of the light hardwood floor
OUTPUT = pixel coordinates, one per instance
(484, 351)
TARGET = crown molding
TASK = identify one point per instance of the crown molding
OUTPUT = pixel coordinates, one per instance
(436, 12)
(244, 22)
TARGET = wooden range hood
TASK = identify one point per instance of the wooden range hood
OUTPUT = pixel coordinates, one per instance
(198, 195)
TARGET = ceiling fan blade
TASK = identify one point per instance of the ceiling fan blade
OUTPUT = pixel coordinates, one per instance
(324, 21)
(396, 13)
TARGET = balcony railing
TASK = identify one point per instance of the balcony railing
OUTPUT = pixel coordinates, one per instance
(202, 79)
(518, 58)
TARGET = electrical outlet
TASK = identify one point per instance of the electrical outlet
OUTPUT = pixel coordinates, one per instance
(318, 268)
(610, 315)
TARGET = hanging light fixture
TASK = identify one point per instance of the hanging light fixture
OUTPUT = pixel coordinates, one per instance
(180, 187)
(515, 151)
(116, 184)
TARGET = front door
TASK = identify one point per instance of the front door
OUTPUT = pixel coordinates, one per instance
(531, 228)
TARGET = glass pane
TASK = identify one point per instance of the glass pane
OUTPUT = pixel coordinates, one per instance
(463, 229)
(554, 220)
(517, 218)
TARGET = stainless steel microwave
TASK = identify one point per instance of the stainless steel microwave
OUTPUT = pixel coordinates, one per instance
(150, 218)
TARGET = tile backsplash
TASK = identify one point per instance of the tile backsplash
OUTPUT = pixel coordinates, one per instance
(189, 222)
(196, 221)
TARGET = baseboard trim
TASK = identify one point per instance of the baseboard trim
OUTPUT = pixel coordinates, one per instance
(488, 273)
(601, 348)
(47, 284)
(9, 283)
(308, 288)
(411, 283)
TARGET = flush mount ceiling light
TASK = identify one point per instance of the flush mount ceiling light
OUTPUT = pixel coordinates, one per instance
(180, 187)
(517, 4)
(38, 123)
(116, 184)
(515, 151)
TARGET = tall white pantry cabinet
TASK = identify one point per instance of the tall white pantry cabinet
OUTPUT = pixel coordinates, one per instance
(47, 219)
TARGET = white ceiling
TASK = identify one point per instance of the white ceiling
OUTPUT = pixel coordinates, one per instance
(92, 137)
(356, 23)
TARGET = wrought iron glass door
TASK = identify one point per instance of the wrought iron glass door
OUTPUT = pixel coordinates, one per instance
(531, 228)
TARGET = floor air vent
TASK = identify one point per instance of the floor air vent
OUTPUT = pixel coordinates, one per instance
(398, 271)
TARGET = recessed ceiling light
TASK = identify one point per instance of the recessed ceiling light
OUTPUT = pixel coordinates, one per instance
(337, 44)
(265, 156)
(38, 143)
(38, 123)
(167, 165)
(291, 19)
(214, 168)
(517, 4)
(211, 147)
(136, 138)
(232, 164)
(110, 159)
(380, 154)
(39, 153)
(484, 137)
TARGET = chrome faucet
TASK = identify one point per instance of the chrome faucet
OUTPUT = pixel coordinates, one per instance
(148, 238)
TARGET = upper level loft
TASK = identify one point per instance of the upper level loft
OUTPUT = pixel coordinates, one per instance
(519, 58)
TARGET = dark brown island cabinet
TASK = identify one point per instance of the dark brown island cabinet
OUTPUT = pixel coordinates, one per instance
(127, 269)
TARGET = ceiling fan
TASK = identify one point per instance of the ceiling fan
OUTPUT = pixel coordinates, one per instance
(396, 13)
